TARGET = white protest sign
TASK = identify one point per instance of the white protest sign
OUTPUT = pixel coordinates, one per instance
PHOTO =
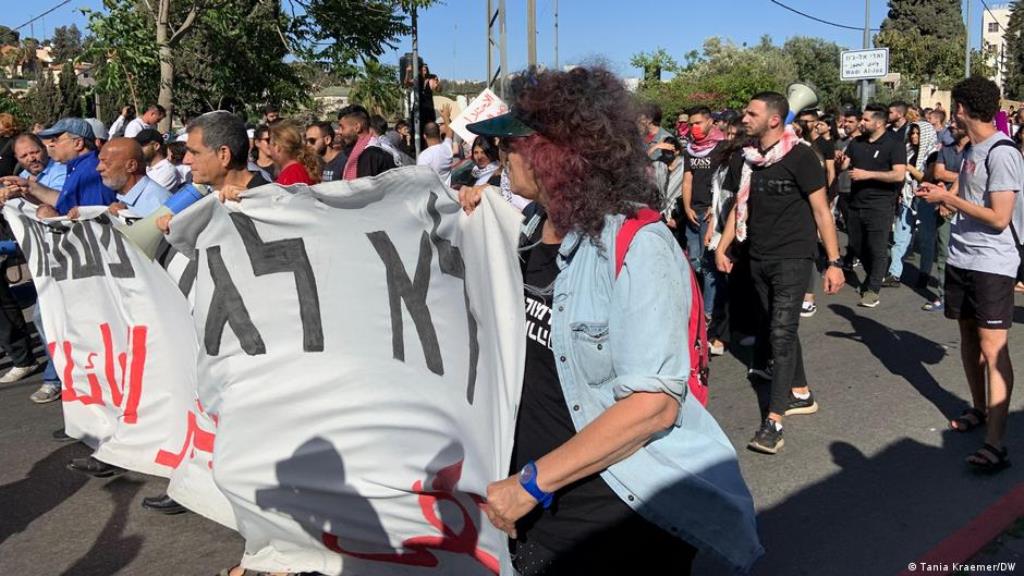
(123, 344)
(361, 349)
(120, 335)
(486, 105)
(864, 64)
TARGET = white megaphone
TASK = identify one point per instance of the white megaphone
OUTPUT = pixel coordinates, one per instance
(145, 234)
(800, 97)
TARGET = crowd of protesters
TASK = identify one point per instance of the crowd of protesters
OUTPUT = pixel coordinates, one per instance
(753, 197)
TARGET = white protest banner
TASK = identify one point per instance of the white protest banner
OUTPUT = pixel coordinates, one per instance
(361, 348)
(486, 105)
(123, 343)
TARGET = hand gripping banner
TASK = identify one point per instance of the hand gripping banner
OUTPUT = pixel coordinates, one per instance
(361, 349)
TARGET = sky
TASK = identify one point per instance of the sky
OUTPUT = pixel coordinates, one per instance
(453, 33)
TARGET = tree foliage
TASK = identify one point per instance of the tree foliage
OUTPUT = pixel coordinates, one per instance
(66, 43)
(724, 75)
(1014, 83)
(926, 41)
(8, 36)
(235, 54)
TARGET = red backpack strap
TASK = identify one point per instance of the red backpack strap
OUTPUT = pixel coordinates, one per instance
(630, 227)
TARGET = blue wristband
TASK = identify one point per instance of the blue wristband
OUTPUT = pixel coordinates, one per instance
(528, 480)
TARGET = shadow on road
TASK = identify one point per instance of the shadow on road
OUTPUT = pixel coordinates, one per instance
(904, 354)
(879, 513)
(47, 486)
(112, 550)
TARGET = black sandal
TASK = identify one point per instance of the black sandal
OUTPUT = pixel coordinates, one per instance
(963, 422)
(982, 461)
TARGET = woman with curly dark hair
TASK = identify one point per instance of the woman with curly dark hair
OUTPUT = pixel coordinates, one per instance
(616, 467)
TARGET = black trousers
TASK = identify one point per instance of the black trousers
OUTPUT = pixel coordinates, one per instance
(780, 286)
(14, 335)
(868, 229)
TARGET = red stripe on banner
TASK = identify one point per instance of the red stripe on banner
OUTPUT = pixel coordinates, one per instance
(108, 364)
(973, 536)
(138, 344)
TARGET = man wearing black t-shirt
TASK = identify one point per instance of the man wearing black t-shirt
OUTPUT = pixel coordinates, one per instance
(700, 161)
(786, 208)
(897, 116)
(878, 163)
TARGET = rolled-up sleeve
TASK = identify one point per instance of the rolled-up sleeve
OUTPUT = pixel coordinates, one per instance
(648, 324)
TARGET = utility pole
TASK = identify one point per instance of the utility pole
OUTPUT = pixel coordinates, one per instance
(531, 33)
(867, 44)
(415, 82)
(967, 43)
(556, 35)
(503, 50)
(496, 18)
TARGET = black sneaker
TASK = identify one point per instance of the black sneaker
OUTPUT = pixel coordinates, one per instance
(801, 406)
(891, 281)
(768, 439)
(95, 468)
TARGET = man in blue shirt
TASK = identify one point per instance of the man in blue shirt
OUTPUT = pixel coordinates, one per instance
(70, 141)
(38, 166)
(31, 154)
(123, 168)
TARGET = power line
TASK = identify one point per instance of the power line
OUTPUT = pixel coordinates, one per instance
(989, 13)
(43, 14)
(816, 19)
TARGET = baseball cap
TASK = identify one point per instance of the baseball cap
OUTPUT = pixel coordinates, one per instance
(506, 125)
(75, 126)
(98, 129)
(148, 135)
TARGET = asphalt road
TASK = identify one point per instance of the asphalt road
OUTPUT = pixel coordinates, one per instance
(865, 486)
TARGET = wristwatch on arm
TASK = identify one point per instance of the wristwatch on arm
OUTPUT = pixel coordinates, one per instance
(528, 480)
(837, 263)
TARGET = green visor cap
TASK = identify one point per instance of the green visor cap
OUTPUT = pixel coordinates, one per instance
(503, 126)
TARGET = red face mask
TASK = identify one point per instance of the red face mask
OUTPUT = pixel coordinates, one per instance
(697, 131)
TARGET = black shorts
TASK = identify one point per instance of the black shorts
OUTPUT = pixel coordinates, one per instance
(980, 296)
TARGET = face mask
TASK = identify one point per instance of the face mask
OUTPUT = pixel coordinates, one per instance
(697, 131)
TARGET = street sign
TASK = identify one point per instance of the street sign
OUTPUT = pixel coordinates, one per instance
(864, 64)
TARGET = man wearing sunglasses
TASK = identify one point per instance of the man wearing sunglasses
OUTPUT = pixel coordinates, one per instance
(70, 141)
(320, 137)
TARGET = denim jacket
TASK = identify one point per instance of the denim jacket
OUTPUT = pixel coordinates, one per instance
(612, 337)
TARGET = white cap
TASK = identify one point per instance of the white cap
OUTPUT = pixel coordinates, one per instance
(98, 129)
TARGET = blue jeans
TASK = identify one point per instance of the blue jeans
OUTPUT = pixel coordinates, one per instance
(702, 261)
(50, 373)
(934, 241)
(905, 218)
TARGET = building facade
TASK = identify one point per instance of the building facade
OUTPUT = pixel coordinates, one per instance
(993, 46)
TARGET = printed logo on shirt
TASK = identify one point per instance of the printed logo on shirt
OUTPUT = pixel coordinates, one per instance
(538, 321)
(968, 166)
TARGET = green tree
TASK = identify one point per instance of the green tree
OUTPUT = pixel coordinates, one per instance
(817, 64)
(1014, 83)
(653, 64)
(66, 43)
(376, 87)
(926, 40)
(8, 36)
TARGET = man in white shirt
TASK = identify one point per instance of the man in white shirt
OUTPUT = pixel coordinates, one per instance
(438, 154)
(123, 169)
(153, 115)
(159, 167)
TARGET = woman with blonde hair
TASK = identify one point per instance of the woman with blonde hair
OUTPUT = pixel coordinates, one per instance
(296, 162)
(8, 131)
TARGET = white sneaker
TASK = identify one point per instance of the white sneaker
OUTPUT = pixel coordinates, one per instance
(48, 392)
(716, 348)
(17, 373)
(807, 309)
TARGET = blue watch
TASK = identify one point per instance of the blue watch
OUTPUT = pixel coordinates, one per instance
(528, 480)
